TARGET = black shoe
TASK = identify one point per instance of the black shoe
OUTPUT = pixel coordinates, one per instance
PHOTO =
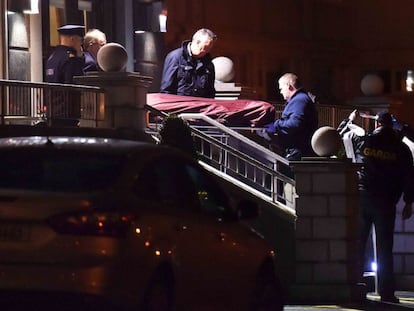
(391, 299)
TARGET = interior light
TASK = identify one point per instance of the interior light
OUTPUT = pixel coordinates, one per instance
(163, 22)
(34, 7)
(409, 81)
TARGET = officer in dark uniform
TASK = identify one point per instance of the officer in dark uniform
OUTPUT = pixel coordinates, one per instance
(64, 63)
(386, 174)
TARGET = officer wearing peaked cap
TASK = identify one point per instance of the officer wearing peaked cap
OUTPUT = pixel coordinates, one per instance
(72, 30)
(66, 61)
(386, 175)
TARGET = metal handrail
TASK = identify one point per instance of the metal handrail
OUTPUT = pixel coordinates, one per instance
(254, 165)
(31, 102)
(222, 148)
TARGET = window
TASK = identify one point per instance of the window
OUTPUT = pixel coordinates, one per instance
(32, 169)
(183, 184)
(212, 198)
(166, 180)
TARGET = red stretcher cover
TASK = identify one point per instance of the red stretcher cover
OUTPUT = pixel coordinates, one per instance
(237, 112)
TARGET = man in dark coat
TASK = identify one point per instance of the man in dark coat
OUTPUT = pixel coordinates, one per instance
(189, 70)
(292, 133)
(385, 175)
(63, 64)
(93, 40)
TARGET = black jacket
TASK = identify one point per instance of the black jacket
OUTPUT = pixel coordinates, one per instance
(185, 75)
(387, 164)
(63, 65)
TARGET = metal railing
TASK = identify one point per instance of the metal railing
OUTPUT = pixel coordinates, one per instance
(235, 155)
(234, 152)
(327, 115)
(29, 102)
(231, 151)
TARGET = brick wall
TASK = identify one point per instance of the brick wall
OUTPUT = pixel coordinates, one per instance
(325, 235)
(404, 251)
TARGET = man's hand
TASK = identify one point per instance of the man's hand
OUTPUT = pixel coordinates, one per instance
(263, 133)
(407, 211)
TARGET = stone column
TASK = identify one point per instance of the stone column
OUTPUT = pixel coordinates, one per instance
(325, 234)
(125, 98)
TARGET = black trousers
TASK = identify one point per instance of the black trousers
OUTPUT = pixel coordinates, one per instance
(379, 211)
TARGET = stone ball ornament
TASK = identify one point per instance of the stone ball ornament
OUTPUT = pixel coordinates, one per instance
(224, 68)
(326, 141)
(112, 57)
(372, 85)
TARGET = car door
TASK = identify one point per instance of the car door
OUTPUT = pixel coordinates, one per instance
(225, 254)
(215, 257)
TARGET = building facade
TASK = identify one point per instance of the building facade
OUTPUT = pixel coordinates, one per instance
(331, 44)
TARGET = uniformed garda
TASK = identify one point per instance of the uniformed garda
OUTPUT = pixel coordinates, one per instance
(63, 64)
(385, 161)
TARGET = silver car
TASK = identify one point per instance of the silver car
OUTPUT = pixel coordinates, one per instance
(109, 224)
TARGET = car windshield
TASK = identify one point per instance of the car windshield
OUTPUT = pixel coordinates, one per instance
(57, 170)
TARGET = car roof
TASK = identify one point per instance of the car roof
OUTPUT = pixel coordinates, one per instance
(104, 145)
(93, 139)
(97, 140)
(15, 130)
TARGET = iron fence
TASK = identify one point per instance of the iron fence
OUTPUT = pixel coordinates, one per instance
(29, 102)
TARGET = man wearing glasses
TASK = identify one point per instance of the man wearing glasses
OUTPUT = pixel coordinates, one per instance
(94, 39)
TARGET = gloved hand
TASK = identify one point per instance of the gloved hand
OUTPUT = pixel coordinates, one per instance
(396, 125)
(271, 128)
(263, 133)
(352, 116)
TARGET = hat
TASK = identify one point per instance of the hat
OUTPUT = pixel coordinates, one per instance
(385, 118)
(71, 30)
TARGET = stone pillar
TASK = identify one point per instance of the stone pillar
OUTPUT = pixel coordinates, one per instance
(125, 98)
(325, 234)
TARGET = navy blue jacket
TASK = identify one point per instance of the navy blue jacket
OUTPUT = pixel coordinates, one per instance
(63, 65)
(298, 122)
(91, 63)
(186, 75)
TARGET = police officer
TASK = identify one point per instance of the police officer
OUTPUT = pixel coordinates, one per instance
(64, 63)
(189, 70)
(386, 174)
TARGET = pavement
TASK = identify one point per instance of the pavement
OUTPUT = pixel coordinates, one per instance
(372, 303)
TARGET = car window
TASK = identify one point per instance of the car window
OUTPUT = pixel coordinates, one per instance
(63, 170)
(212, 198)
(164, 180)
(171, 179)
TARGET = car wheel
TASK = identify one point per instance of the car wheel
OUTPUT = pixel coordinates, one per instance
(268, 293)
(159, 295)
